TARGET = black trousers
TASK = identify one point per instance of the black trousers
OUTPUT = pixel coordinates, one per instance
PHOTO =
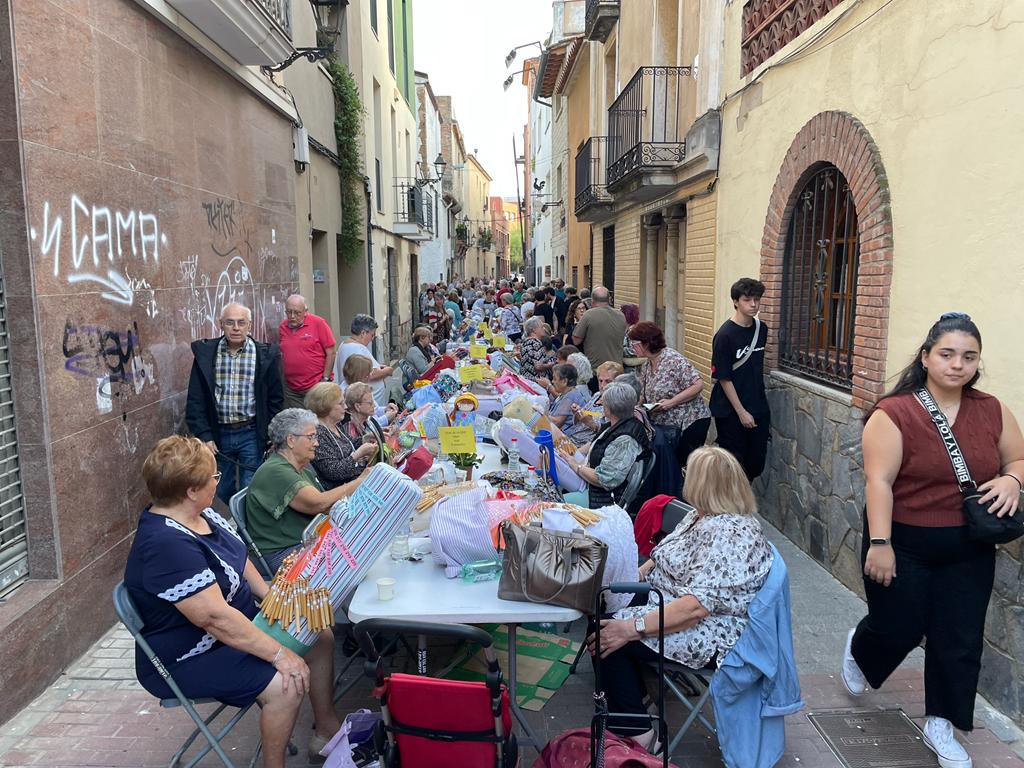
(692, 438)
(750, 446)
(941, 591)
(623, 683)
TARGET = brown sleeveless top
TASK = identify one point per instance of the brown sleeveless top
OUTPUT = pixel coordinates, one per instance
(925, 492)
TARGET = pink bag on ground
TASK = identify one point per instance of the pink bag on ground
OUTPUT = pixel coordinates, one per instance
(572, 748)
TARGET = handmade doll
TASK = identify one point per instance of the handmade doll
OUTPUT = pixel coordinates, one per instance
(464, 413)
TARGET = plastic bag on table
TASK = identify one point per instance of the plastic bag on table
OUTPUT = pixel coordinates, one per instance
(424, 396)
(530, 453)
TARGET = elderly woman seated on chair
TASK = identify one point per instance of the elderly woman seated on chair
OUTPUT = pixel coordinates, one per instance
(285, 493)
(196, 592)
(620, 444)
(709, 570)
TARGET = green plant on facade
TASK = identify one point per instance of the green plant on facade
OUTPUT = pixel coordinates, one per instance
(348, 126)
(486, 238)
(462, 232)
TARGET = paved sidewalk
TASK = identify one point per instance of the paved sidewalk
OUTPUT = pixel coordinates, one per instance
(97, 715)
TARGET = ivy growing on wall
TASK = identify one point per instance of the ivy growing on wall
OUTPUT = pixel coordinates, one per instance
(348, 125)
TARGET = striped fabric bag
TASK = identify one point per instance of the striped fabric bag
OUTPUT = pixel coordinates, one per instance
(460, 531)
(359, 530)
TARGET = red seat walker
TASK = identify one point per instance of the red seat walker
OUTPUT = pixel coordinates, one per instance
(428, 722)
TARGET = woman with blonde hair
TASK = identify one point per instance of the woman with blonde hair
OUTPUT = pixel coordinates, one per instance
(357, 370)
(709, 569)
(339, 458)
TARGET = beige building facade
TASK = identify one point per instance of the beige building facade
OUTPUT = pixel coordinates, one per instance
(869, 179)
(378, 47)
(476, 217)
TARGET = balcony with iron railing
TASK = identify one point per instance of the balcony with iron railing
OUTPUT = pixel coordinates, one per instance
(647, 133)
(601, 17)
(414, 210)
(592, 201)
(253, 32)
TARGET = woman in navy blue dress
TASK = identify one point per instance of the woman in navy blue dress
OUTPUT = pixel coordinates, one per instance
(189, 575)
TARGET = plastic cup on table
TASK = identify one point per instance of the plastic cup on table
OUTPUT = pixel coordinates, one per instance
(385, 588)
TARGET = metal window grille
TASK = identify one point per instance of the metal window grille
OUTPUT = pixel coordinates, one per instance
(819, 281)
(608, 258)
(13, 536)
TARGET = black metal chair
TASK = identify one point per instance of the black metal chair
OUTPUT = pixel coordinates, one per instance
(129, 616)
(237, 507)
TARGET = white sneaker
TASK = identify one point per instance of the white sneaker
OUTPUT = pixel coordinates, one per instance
(853, 679)
(939, 738)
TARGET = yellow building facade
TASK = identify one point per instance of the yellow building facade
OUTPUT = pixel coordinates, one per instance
(641, 198)
(476, 216)
(869, 178)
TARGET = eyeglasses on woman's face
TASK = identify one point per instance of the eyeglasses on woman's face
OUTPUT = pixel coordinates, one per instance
(311, 436)
(216, 476)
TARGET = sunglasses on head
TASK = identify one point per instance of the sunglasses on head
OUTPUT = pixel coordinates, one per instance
(954, 316)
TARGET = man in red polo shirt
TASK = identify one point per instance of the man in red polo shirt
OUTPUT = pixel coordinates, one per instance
(307, 351)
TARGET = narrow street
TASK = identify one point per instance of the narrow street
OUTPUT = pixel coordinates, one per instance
(96, 714)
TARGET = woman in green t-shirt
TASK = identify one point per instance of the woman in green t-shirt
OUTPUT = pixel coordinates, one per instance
(285, 494)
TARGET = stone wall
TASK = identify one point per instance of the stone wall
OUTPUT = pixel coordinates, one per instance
(813, 486)
(813, 490)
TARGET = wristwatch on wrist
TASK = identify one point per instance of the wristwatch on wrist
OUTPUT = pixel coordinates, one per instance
(880, 542)
(639, 625)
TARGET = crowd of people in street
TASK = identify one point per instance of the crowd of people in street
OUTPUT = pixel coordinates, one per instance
(298, 423)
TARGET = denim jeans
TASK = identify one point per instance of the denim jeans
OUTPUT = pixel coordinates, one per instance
(238, 450)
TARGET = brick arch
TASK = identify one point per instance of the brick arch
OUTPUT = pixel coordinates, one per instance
(842, 140)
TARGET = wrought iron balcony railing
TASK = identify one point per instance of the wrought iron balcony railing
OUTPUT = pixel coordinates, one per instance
(280, 12)
(590, 174)
(645, 129)
(413, 205)
(600, 18)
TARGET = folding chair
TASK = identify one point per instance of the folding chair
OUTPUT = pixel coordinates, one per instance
(637, 477)
(237, 507)
(129, 616)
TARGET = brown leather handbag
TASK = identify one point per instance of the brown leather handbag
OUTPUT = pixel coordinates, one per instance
(552, 567)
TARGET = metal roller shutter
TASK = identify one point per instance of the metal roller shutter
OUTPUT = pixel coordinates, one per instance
(13, 539)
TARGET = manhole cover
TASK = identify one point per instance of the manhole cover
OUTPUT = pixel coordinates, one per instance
(873, 738)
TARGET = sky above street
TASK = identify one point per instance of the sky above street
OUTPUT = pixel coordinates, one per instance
(462, 45)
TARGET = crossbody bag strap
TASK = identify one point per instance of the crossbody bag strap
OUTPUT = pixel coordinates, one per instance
(956, 456)
(750, 350)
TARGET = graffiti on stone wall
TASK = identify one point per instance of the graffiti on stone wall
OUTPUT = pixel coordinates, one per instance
(209, 293)
(112, 357)
(94, 243)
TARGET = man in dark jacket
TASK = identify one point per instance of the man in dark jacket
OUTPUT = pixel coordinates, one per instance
(233, 393)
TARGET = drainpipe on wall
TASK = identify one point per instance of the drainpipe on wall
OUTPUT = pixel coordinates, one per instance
(369, 250)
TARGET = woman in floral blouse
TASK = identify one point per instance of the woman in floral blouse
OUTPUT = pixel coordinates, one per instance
(709, 570)
(535, 359)
(673, 386)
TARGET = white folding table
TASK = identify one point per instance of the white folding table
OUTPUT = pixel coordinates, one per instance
(424, 593)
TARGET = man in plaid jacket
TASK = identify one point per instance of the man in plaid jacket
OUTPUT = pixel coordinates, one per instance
(233, 393)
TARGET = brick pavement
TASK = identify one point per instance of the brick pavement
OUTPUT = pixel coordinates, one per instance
(97, 715)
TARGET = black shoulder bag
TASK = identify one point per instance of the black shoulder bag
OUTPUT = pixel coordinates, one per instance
(982, 525)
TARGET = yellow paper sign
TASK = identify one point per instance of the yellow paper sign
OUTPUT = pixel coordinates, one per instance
(468, 373)
(457, 439)
(487, 331)
(499, 342)
(478, 351)
(485, 328)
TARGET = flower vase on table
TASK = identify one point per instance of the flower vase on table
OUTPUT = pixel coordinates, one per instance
(466, 462)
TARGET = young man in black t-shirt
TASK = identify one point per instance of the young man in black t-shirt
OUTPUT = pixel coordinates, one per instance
(738, 400)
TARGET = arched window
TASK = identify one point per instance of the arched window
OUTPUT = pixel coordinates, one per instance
(819, 281)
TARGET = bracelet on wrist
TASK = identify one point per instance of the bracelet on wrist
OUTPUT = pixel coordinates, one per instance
(1019, 483)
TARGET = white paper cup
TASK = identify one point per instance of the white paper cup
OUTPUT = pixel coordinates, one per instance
(385, 588)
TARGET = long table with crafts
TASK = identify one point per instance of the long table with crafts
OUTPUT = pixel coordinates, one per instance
(422, 592)
(358, 557)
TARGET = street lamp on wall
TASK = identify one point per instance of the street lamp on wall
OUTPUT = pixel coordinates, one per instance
(439, 167)
(512, 54)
